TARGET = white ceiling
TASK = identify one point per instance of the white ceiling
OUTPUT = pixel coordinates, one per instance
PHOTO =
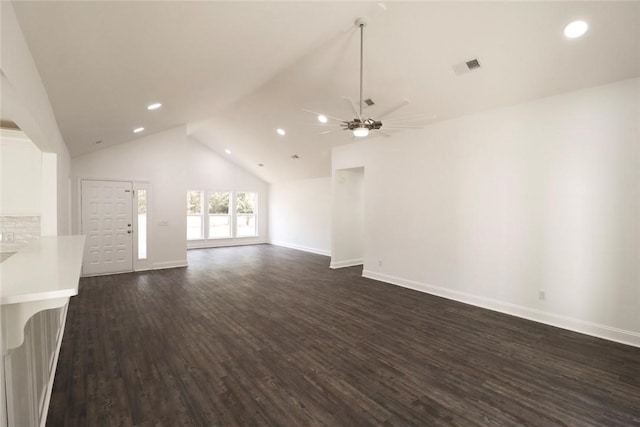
(235, 71)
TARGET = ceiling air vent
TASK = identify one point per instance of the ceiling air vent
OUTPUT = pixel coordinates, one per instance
(473, 64)
(467, 66)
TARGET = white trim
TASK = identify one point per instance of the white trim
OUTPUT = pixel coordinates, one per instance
(59, 336)
(80, 178)
(141, 264)
(136, 184)
(169, 264)
(204, 219)
(155, 266)
(223, 242)
(347, 263)
(301, 248)
(15, 135)
(4, 418)
(577, 325)
(144, 269)
(107, 274)
(234, 215)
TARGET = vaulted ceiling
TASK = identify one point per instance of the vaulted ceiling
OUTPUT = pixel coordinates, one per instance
(236, 71)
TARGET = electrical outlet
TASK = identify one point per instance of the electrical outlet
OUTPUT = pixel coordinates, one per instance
(542, 295)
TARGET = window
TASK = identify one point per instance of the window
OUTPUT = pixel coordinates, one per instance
(246, 214)
(142, 223)
(219, 215)
(195, 215)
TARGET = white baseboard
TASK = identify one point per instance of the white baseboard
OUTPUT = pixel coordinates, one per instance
(106, 274)
(169, 264)
(577, 325)
(154, 266)
(347, 263)
(205, 244)
(301, 248)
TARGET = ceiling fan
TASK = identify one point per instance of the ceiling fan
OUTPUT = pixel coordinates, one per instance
(361, 126)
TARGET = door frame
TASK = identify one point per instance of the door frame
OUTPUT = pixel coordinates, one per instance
(338, 237)
(142, 264)
(136, 184)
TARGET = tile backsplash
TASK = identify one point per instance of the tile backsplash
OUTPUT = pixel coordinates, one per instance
(18, 232)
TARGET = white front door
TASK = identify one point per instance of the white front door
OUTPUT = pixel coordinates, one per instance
(107, 223)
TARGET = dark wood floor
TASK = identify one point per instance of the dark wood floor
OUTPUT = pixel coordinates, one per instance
(263, 335)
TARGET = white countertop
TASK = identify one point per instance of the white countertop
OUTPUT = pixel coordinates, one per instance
(48, 268)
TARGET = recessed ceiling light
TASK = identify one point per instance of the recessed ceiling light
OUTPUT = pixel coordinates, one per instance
(576, 29)
(281, 132)
(154, 106)
(227, 151)
(322, 118)
(138, 130)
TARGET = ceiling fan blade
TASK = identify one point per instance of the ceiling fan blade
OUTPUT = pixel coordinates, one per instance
(330, 131)
(353, 107)
(393, 109)
(385, 134)
(402, 127)
(326, 115)
(417, 117)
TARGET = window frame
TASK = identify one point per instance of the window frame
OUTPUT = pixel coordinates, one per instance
(233, 215)
(255, 216)
(142, 231)
(201, 214)
(141, 264)
(229, 214)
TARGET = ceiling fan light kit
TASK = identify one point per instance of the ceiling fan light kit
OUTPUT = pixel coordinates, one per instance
(360, 132)
(360, 126)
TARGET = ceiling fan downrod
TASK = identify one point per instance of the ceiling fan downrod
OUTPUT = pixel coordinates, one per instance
(361, 23)
(360, 126)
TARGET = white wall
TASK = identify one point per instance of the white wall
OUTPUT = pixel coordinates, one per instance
(300, 214)
(348, 228)
(28, 191)
(495, 207)
(20, 175)
(208, 171)
(49, 195)
(25, 101)
(160, 159)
